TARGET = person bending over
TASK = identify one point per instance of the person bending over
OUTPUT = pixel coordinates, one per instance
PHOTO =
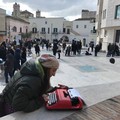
(28, 87)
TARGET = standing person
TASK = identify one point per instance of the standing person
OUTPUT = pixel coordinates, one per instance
(97, 48)
(17, 60)
(23, 55)
(59, 50)
(79, 47)
(64, 46)
(92, 46)
(37, 50)
(55, 47)
(8, 66)
(68, 50)
(29, 48)
(27, 89)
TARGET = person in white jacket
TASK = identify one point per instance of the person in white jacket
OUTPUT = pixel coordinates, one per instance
(59, 50)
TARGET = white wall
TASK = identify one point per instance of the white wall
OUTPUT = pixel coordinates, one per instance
(46, 23)
(110, 24)
(85, 32)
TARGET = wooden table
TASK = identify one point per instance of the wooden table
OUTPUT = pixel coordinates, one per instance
(106, 110)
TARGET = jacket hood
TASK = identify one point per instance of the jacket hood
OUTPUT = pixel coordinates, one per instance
(32, 67)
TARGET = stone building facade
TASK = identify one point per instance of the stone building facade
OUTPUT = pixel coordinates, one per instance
(2, 24)
(108, 22)
(88, 14)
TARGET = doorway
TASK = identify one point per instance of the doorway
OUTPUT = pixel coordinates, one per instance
(117, 38)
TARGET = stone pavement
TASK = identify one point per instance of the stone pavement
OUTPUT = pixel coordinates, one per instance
(94, 77)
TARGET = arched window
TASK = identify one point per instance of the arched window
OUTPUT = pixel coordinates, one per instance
(34, 30)
(20, 30)
(14, 29)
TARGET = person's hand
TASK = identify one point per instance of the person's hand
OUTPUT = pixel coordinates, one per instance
(45, 97)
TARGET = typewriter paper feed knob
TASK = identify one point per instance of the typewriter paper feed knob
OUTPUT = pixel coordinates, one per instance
(75, 101)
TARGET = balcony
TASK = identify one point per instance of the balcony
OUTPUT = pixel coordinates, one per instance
(55, 33)
(43, 32)
(93, 31)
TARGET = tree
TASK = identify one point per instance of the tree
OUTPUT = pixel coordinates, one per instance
(26, 35)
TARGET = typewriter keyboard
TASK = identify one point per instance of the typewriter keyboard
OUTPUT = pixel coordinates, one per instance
(52, 98)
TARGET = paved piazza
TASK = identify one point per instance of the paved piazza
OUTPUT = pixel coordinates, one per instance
(94, 77)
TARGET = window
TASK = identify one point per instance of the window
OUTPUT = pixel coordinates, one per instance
(68, 31)
(48, 30)
(117, 13)
(43, 30)
(85, 26)
(45, 22)
(34, 30)
(14, 29)
(104, 14)
(55, 30)
(20, 30)
(94, 30)
(105, 33)
(64, 30)
(76, 26)
(26, 30)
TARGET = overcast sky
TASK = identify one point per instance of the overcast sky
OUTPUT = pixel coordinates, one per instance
(69, 9)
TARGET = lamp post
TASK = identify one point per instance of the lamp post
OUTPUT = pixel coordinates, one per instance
(51, 31)
(8, 32)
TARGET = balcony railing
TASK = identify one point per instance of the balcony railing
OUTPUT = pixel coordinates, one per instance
(43, 32)
(55, 33)
(93, 31)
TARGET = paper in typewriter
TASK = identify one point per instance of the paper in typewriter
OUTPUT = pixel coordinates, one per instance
(74, 93)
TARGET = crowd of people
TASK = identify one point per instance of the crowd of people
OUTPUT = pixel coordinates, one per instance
(15, 55)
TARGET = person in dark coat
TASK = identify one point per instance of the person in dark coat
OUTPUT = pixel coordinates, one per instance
(97, 48)
(2, 52)
(55, 47)
(8, 66)
(23, 55)
(28, 87)
(37, 49)
(17, 60)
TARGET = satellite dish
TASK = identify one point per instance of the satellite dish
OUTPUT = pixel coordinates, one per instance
(112, 60)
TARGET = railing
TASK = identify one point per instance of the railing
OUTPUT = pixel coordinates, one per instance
(93, 31)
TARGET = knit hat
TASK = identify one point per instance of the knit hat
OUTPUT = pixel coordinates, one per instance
(48, 61)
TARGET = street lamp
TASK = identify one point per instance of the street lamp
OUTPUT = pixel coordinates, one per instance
(51, 31)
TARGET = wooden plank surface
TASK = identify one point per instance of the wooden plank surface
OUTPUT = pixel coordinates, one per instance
(106, 110)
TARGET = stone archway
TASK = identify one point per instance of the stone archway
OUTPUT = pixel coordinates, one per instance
(64, 38)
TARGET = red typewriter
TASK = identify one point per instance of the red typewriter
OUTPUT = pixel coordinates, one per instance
(63, 97)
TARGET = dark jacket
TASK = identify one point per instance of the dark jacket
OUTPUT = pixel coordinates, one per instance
(9, 63)
(25, 89)
(17, 58)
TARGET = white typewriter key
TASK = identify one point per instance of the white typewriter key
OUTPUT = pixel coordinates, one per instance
(49, 101)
